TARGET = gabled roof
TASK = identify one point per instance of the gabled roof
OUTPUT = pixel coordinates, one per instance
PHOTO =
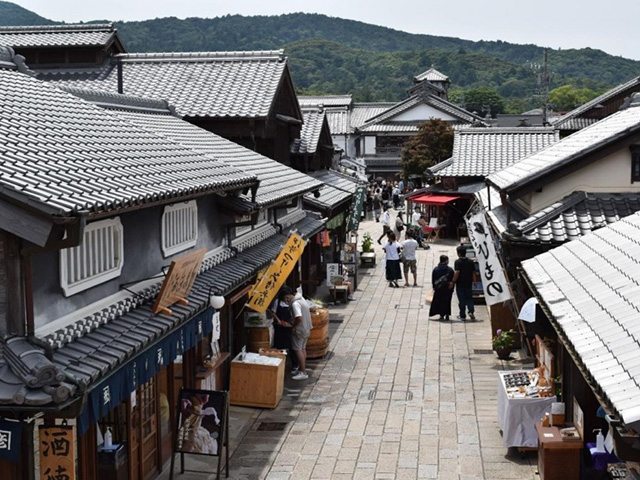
(278, 182)
(591, 291)
(83, 35)
(364, 111)
(478, 152)
(571, 120)
(313, 121)
(574, 216)
(431, 75)
(325, 100)
(568, 150)
(61, 155)
(209, 84)
(384, 121)
(337, 189)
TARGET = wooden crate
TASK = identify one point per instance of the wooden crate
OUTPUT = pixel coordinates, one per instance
(253, 385)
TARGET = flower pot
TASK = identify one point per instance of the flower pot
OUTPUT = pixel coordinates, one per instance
(504, 353)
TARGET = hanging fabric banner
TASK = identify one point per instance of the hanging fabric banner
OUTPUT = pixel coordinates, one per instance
(494, 283)
(277, 273)
(10, 440)
(57, 453)
(356, 209)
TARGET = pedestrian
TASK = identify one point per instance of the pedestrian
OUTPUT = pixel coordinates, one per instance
(386, 224)
(282, 327)
(399, 226)
(300, 331)
(415, 216)
(395, 195)
(376, 207)
(392, 257)
(409, 247)
(442, 289)
(463, 281)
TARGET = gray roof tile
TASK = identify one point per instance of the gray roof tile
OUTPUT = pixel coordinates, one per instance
(63, 154)
(567, 150)
(431, 75)
(84, 35)
(362, 112)
(209, 84)
(313, 121)
(478, 152)
(325, 100)
(589, 287)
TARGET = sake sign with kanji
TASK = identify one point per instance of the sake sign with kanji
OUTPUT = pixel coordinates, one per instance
(57, 454)
(277, 273)
(178, 282)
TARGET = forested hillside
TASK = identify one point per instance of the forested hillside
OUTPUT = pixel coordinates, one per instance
(336, 56)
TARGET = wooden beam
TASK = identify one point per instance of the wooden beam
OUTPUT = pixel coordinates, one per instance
(24, 224)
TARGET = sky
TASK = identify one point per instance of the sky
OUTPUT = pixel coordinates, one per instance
(610, 26)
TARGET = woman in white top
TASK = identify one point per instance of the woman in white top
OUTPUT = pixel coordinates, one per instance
(392, 254)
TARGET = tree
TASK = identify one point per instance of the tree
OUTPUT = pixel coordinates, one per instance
(567, 97)
(482, 100)
(432, 144)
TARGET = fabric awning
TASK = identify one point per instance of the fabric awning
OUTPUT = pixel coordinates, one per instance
(434, 199)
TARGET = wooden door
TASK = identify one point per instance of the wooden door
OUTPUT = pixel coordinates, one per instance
(148, 429)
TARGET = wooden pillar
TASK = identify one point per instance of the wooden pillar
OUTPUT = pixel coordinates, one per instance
(12, 306)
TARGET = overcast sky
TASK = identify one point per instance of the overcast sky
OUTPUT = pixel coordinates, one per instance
(612, 26)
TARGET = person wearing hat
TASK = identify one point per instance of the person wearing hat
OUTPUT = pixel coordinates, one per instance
(300, 331)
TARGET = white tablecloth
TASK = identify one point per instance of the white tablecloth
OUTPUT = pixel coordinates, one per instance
(518, 416)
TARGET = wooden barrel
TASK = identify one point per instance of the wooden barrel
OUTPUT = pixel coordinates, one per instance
(318, 342)
(257, 338)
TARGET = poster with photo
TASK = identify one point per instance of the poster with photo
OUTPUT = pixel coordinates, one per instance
(201, 421)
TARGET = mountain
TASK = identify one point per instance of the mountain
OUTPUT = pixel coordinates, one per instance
(12, 14)
(331, 55)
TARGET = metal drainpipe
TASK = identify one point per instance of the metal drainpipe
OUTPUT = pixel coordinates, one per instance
(120, 80)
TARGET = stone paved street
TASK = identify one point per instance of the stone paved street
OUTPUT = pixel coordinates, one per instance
(399, 397)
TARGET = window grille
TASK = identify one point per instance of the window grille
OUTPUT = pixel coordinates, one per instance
(179, 227)
(97, 259)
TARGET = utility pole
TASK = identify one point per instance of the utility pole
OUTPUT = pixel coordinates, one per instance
(544, 86)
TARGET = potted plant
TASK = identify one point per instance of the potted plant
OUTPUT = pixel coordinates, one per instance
(367, 243)
(503, 343)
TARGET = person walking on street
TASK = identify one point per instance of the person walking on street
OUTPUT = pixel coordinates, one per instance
(463, 281)
(376, 207)
(409, 247)
(386, 224)
(301, 330)
(399, 226)
(392, 256)
(442, 289)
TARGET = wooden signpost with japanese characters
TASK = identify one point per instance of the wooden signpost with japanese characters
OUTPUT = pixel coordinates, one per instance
(178, 282)
(275, 276)
(57, 453)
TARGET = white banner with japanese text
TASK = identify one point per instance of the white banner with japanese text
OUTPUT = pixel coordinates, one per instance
(494, 283)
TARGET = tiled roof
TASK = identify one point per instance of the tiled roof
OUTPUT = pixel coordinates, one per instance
(214, 84)
(85, 35)
(85, 352)
(574, 216)
(339, 120)
(478, 152)
(364, 111)
(338, 180)
(330, 197)
(591, 289)
(278, 182)
(431, 75)
(378, 122)
(61, 154)
(313, 121)
(325, 101)
(565, 121)
(577, 123)
(568, 150)
(337, 189)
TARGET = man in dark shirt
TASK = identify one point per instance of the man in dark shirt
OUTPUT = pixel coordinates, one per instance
(463, 280)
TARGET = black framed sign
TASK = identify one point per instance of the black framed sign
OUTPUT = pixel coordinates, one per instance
(202, 425)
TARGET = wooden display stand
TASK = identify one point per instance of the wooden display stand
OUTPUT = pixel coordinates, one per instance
(254, 385)
(557, 458)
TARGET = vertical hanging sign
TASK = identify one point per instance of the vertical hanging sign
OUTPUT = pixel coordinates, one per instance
(356, 209)
(494, 283)
(57, 454)
(10, 440)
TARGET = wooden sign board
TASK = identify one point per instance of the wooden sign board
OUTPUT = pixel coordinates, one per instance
(57, 452)
(178, 282)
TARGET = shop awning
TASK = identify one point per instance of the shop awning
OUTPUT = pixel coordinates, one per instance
(434, 199)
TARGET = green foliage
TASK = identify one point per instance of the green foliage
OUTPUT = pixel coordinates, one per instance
(431, 145)
(568, 97)
(330, 55)
(367, 243)
(482, 100)
(503, 339)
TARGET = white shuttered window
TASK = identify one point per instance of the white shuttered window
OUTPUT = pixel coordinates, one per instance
(97, 259)
(179, 227)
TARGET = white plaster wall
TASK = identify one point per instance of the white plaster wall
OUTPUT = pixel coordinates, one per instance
(369, 145)
(610, 174)
(422, 112)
